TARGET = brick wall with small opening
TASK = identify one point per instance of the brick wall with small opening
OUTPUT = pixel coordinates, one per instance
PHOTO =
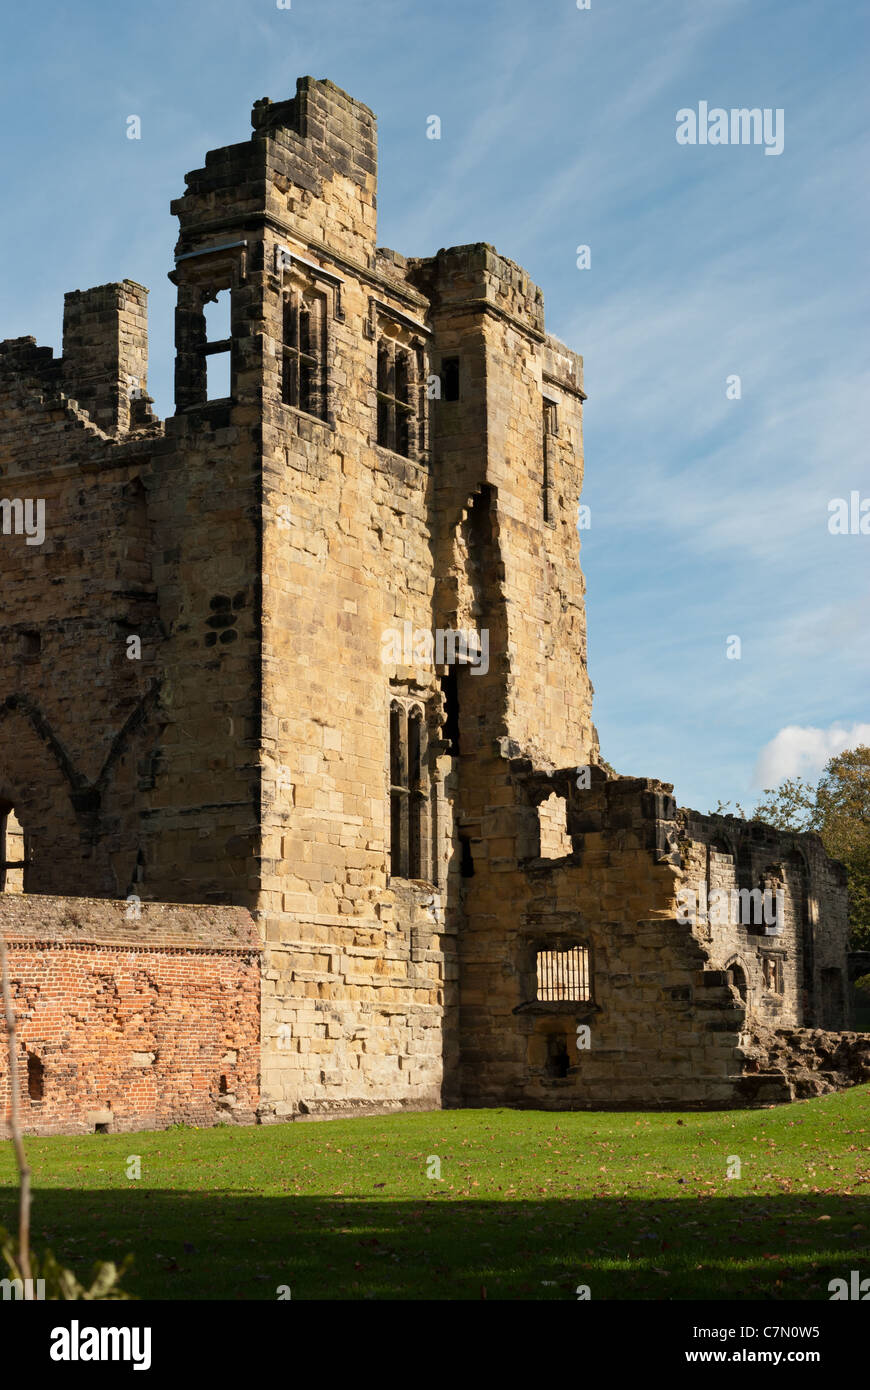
(129, 1021)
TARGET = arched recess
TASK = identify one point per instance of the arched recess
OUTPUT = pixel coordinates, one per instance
(469, 599)
(124, 787)
(740, 978)
(34, 788)
(73, 827)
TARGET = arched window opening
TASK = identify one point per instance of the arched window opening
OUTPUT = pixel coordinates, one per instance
(738, 979)
(14, 853)
(410, 849)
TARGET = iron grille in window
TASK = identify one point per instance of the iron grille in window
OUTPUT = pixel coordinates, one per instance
(303, 383)
(398, 397)
(410, 853)
(564, 975)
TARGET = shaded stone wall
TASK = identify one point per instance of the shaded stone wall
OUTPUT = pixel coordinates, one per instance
(131, 1022)
(667, 1025)
(663, 1023)
(794, 968)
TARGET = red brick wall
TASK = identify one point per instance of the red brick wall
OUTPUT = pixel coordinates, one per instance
(133, 1022)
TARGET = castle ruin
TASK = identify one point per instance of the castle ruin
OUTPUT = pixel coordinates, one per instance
(302, 803)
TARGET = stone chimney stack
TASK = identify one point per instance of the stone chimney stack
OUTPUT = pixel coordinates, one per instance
(105, 354)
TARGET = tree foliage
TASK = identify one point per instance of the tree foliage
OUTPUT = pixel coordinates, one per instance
(838, 809)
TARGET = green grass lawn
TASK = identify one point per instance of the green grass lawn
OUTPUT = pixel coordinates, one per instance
(529, 1205)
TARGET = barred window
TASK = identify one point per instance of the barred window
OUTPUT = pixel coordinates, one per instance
(303, 380)
(410, 848)
(564, 975)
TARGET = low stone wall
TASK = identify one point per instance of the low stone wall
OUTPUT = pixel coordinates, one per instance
(131, 1017)
(796, 1063)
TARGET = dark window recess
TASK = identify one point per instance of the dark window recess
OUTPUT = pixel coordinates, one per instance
(564, 975)
(551, 430)
(558, 1059)
(466, 859)
(417, 797)
(398, 396)
(450, 727)
(409, 794)
(450, 379)
(31, 644)
(35, 1077)
(303, 382)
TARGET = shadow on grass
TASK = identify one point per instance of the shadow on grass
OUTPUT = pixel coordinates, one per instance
(192, 1245)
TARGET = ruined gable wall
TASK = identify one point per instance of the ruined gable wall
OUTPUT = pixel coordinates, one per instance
(75, 712)
(810, 989)
(664, 1023)
(549, 696)
(152, 535)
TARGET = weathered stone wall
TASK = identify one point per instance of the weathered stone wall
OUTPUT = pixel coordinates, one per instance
(794, 968)
(663, 1022)
(76, 714)
(154, 540)
(797, 1063)
(400, 452)
(132, 1022)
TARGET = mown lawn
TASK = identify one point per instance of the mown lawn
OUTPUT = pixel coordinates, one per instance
(529, 1205)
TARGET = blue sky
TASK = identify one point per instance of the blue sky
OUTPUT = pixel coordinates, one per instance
(709, 515)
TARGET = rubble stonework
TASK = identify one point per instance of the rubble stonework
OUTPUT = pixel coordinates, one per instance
(199, 705)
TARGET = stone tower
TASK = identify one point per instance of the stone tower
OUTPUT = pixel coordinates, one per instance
(327, 623)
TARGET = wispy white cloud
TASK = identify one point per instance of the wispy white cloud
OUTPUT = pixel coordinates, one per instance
(803, 752)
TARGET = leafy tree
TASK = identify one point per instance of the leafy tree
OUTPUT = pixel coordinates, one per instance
(843, 803)
(723, 808)
(793, 805)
